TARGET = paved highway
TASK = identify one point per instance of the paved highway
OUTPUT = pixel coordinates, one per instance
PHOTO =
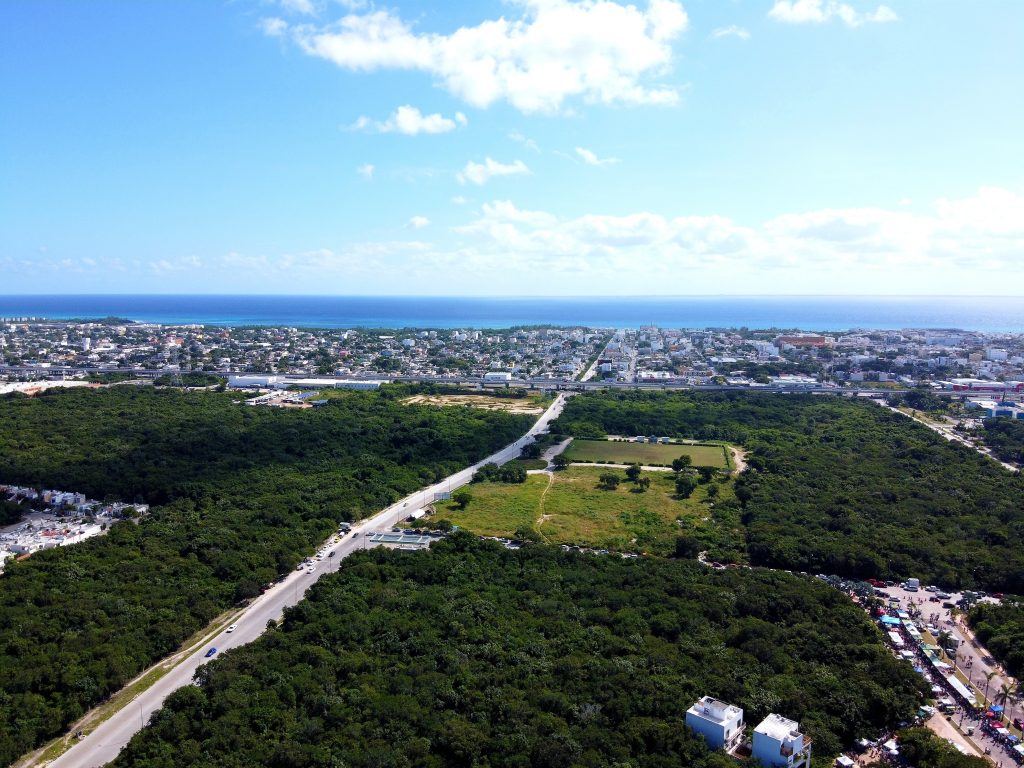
(103, 744)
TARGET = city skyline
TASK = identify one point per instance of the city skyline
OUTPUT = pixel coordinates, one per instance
(523, 148)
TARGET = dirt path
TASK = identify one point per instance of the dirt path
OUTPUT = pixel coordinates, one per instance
(540, 504)
(739, 459)
(618, 466)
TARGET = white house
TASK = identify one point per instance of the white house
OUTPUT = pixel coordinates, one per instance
(719, 723)
(778, 741)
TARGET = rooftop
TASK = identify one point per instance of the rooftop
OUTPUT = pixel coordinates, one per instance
(715, 710)
(778, 727)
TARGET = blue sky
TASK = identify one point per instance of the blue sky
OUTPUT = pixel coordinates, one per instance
(517, 148)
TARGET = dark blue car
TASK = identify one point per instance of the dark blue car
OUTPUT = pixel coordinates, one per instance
(210, 652)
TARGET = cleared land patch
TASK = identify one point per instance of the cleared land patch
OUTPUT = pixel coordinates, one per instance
(509, 405)
(576, 511)
(653, 454)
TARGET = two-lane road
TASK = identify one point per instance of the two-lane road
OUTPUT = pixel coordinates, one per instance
(103, 744)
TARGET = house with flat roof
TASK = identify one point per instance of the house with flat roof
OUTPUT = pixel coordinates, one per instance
(719, 723)
(778, 741)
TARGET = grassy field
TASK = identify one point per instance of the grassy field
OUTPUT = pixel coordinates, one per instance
(615, 452)
(568, 508)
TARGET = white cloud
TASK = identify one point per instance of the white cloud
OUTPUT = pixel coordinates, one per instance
(304, 7)
(459, 200)
(986, 229)
(419, 222)
(366, 170)
(590, 158)
(821, 11)
(731, 31)
(163, 266)
(273, 27)
(597, 50)
(527, 142)
(409, 121)
(481, 173)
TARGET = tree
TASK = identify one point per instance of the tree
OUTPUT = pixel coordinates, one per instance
(1003, 695)
(560, 462)
(608, 481)
(462, 497)
(706, 473)
(684, 486)
(643, 484)
(530, 451)
(526, 533)
(943, 640)
(988, 680)
(633, 472)
(713, 491)
(684, 461)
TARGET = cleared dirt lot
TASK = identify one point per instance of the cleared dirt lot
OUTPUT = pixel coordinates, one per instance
(509, 405)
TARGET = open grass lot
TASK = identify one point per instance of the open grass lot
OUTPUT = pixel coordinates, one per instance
(615, 452)
(569, 508)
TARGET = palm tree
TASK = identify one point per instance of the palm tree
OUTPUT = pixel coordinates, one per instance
(1004, 694)
(988, 680)
(943, 640)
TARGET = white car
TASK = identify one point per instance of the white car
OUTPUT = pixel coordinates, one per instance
(231, 628)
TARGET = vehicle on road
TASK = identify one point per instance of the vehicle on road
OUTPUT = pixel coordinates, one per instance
(231, 628)
(210, 652)
(331, 553)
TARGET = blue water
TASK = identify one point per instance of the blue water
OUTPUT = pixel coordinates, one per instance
(821, 313)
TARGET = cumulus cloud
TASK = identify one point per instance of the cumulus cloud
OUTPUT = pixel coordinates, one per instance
(985, 229)
(273, 27)
(821, 11)
(481, 173)
(590, 158)
(409, 121)
(419, 222)
(597, 50)
(730, 31)
(366, 170)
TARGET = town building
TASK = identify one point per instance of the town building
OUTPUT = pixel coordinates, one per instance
(719, 723)
(778, 741)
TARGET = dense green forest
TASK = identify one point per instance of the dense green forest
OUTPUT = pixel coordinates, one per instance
(240, 494)
(1006, 439)
(1000, 628)
(470, 654)
(841, 485)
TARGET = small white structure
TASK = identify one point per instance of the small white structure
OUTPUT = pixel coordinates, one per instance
(497, 376)
(253, 381)
(719, 723)
(778, 741)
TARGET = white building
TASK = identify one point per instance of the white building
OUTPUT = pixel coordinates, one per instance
(497, 376)
(252, 381)
(719, 723)
(778, 741)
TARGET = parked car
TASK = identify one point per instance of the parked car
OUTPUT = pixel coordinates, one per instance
(210, 652)
(231, 628)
